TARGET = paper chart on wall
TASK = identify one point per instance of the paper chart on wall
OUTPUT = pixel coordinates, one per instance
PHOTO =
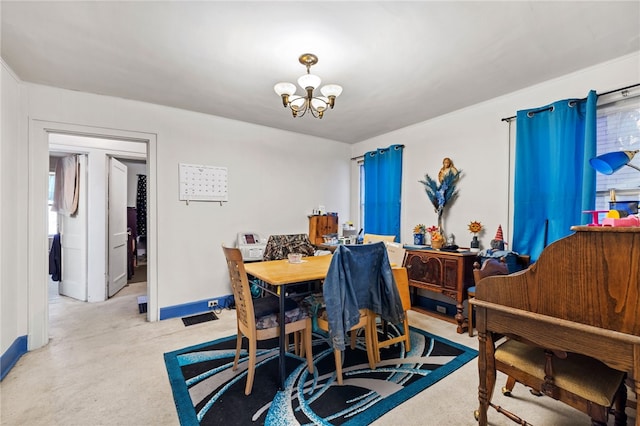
(203, 183)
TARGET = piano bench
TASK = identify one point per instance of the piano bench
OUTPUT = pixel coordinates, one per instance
(577, 380)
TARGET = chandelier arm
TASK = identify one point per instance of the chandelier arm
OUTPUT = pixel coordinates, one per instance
(304, 111)
(300, 112)
(326, 104)
(317, 111)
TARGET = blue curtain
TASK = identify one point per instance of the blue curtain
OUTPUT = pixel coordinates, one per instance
(554, 183)
(382, 190)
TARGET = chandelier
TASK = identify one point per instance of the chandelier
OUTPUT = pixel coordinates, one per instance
(299, 105)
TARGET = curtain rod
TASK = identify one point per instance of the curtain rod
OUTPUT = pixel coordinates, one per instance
(359, 157)
(599, 94)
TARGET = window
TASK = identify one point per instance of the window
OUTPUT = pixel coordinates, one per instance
(53, 216)
(618, 129)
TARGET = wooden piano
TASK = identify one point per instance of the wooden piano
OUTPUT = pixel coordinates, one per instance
(581, 296)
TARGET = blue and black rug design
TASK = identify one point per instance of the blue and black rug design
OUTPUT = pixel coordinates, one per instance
(208, 392)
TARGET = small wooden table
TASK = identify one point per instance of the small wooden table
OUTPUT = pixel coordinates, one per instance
(280, 273)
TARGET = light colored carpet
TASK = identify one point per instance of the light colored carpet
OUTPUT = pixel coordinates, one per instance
(104, 366)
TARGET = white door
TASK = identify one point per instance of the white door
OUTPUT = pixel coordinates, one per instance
(117, 211)
(73, 239)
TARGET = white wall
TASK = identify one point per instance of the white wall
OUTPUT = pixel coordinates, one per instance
(275, 180)
(478, 142)
(13, 205)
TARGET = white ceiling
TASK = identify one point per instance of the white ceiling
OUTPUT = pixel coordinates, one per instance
(400, 63)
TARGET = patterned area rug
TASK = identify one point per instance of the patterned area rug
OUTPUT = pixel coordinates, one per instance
(208, 392)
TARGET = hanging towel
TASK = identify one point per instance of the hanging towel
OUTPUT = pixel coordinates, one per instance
(66, 190)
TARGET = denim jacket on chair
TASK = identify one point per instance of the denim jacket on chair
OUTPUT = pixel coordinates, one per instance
(359, 277)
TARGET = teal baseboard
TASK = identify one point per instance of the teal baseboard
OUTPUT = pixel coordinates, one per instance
(12, 355)
(192, 308)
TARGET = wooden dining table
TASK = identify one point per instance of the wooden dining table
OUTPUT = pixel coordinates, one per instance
(280, 274)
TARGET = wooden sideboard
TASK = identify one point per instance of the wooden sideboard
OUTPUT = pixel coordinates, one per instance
(442, 272)
(320, 225)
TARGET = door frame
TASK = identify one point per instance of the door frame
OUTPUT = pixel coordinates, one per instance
(37, 270)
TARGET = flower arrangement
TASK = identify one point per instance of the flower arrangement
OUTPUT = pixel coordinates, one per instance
(437, 239)
(435, 233)
(419, 229)
(441, 194)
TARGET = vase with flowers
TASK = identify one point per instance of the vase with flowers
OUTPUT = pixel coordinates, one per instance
(418, 234)
(475, 228)
(441, 192)
(437, 240)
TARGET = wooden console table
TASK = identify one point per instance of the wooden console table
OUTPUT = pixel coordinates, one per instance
(447, 273)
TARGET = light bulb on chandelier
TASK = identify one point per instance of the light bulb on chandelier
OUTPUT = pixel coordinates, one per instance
(299, 105)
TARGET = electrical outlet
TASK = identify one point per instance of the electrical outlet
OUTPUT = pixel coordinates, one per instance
(213, 303)
(441, 309)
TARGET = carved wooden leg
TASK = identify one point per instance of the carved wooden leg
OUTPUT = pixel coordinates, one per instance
(508, 387)
(549, 387)
(470, 321)
(635, 380)
(460, 318)
(620, 404)
(486, 372)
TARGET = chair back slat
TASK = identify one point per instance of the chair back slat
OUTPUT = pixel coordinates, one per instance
(240, 286)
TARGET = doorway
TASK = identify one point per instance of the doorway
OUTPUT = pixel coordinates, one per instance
(101, 216)
(115, 140)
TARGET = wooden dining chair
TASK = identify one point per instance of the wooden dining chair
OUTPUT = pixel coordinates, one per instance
(488, 268)
(257, 319)
(356, 273)
(366, 322)
(402, 283)
(579, 381)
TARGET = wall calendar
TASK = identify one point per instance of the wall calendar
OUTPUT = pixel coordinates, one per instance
(203, 183)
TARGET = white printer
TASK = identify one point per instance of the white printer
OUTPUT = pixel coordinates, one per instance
(251, 246)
